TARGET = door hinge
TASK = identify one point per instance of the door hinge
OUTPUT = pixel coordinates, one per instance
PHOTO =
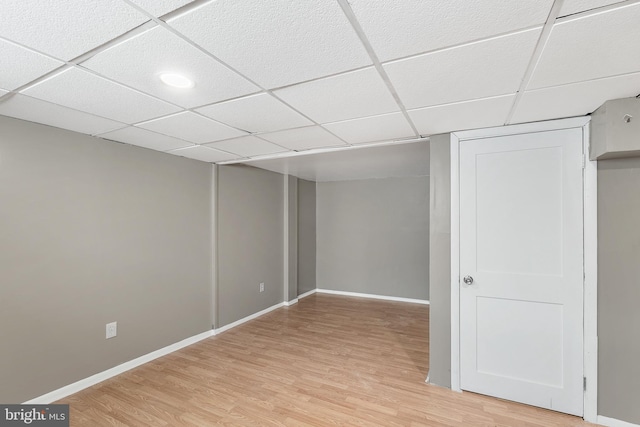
(584, 383)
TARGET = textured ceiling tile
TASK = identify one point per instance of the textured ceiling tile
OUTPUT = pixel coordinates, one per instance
(191, 127)
(377, 128)
(139, 61)
(600, 45)
(205, 154)
(19, 66)
(276, 43)
(66, 28)
(144, 138)
(255, 113)
(35, 110)
(575, 99)
(480, 70)
(303, 138)
(570, 7)
(403, 28)
(160, 7)
(248, 146)
(84, 91)
(475, 114)
(346, 96)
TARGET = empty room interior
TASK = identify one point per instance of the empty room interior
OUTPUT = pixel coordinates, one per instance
(330, 212)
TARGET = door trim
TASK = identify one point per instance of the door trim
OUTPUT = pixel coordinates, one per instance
(590, 309)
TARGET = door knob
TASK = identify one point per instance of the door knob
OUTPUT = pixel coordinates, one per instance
(468, 280)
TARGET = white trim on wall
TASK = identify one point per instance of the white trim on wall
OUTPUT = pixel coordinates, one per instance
(455, 263)
(612, 422)
(116, 370)
(306, 294)
(590, 204)
(285, 239)
(590, 250)
(80, 385)
(372, 296)
(250, 317)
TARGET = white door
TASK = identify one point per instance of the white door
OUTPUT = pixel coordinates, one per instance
(521, 242)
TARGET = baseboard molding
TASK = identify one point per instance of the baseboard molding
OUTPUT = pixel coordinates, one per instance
(372, 296)
(250, 317)
(80, 385)
(306, 294)
(612, 422)
(77, 386)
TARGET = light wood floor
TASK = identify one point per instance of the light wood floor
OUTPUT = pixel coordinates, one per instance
(329, 360)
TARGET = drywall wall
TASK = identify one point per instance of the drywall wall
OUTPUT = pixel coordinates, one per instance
(373, 236)
(250, 241)
(618, 289)
(292, 236)
(93, 232)
(306, 236)
(440, 261)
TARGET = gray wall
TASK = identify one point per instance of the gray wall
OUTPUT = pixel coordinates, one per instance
(250, 241)
(373, 236)
(619, 289)
(93, 232)
(440, 262)
(292, 254)
(306, 236)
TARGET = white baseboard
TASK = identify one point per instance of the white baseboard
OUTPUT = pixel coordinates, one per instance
(251, 317)
(372, 296)
(77, 386)
(306, 294)
(612, 422)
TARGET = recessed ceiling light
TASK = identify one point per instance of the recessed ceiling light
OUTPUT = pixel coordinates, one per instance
(176, 80)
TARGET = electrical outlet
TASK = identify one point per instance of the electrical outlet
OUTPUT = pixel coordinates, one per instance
(262, 287)
(112, 329)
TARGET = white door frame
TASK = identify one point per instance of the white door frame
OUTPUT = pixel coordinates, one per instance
(590, 181)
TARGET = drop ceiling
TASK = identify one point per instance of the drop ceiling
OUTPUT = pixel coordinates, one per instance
(276, 78)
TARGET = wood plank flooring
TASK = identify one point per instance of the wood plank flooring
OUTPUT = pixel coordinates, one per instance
(328, 360)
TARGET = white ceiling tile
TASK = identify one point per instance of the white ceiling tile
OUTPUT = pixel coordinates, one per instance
(160, 7)
(303, 138)
(191, 127)
(144, 138)
(248, 146)
(3, 92)
(377, 128)
(255, 113)
(480, 70)
(345, 96)
(19, 66)
(575, 99)
(475, 114)
(139, 61)
(599, 45)
(570, 7)
(276, 43)
(205, 154)
(403, 28)
(66, 28)
(34, 110)
(84, 91)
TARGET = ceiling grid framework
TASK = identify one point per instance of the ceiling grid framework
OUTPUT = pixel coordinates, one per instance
(276, 79)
